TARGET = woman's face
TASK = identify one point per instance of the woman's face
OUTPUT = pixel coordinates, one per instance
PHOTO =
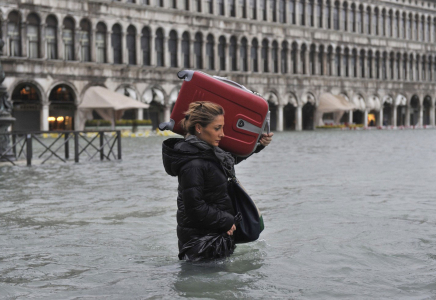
(212, 133)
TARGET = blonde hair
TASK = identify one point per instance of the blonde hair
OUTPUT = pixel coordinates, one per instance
(200, 112)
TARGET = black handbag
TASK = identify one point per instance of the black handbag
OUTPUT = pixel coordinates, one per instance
(251, 225)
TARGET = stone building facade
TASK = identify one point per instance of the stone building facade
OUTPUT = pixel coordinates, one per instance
(379, 55)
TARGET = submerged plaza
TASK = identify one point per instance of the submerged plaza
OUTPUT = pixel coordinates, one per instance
(378, 56)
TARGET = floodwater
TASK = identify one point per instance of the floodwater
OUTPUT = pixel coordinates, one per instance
(348, 215)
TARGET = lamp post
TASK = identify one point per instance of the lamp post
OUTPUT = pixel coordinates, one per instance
(5, 116)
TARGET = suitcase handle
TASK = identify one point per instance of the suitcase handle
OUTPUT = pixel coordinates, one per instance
(167, 125)
(232, 82)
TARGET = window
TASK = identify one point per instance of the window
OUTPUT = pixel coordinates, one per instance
(274, 10)
(275, 58)
(244, 9)
(187, 5)
(185, 49)
(282, 11)
(210, 6)
(310, 9)
(409, 27)
(198, 5)
(344, 18)
(51, 33)
(403, 26)
(232, 7)
(367, 21)
(360, 20)
(417, 28)
(174, 3)
(210, 52)
(33, 37)
(172, 47)
(301, 12)
(353, 17)
(375, 22)
(100, 43)
(263, 7)
(222, 52)
(397, 25)
(145, 46)
(85, 49)
(405, 67)
(159, 47)
(319, 13)
(292, 12)
(336, 16)
(327, 9)
(389, 25)
(253, 4)
(233, 53)
(383, 20)
(362, 64)
(243, 55)
(284, 57)
(265, 55)
(384, 67)
(321, 60)
(354, 63)
(411, 68)
(422, 30)
(198, 49)
(391, 67)
(254, 55)
(369, 65)
(221, 7)
(68, 38)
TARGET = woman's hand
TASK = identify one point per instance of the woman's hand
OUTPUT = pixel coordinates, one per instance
(230, 232)
(266, 139)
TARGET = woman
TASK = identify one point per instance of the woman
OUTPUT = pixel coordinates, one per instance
(203, 169)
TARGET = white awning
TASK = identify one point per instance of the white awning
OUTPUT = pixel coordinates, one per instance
(108, 104)
(330, 103)
(99, 97)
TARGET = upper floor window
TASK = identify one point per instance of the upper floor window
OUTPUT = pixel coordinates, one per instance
(131, 44)
(319, 13)
(210, 6)
(187, 5)
(253, 5)
(274, 56)
(159, 47)
(232, 7)
(33, 37)
(367, 21)
(274, 10)
(85, 49)
(117, 44)
(210, 52)
(221, 11)
(254, 55)
(327, 9)
(172, 48)
(344, 18)
(185, 49)
(233, 53)
(353, 17)
(310, 8)
(282, 11)
(14, 34)
(100, 43)
(198, 49)
(243, 54)
(222, 52)
(51, 35)
(263, 7)
(336, 16)
(292, 11)
(145, 46)
(284, 57)
(265, 55)
(68, 38)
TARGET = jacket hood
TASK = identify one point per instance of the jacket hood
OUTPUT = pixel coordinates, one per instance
(176, 153)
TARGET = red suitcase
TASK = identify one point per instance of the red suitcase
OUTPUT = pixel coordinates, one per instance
(246, 113)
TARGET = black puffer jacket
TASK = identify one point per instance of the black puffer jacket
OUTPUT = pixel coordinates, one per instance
(203, 203)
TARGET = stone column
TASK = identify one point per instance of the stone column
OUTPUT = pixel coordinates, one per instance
(421, 115)
(394, 116)
(299, 62)
(193, 58)
(350, 117)
(365, 118)
(298, 118)
(432, 115)
(42, 42)
(153, 60)
(140, 114)
(167, 112)
(380, 117)
(109, 49)
(306, 59)
(92, 39)
(24, 39)
(216, 59)
(139, 56)
(60, 43)
(179, 52)
(279, 59)
(77, 45)
(227, 60)
(280, 117)
(315, 61)
(44, 116)
(124, 52)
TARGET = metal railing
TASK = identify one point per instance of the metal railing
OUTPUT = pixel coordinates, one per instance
(49, 145)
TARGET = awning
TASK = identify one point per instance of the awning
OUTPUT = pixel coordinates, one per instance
(108, 104)
(330, 103)
(100, 97)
